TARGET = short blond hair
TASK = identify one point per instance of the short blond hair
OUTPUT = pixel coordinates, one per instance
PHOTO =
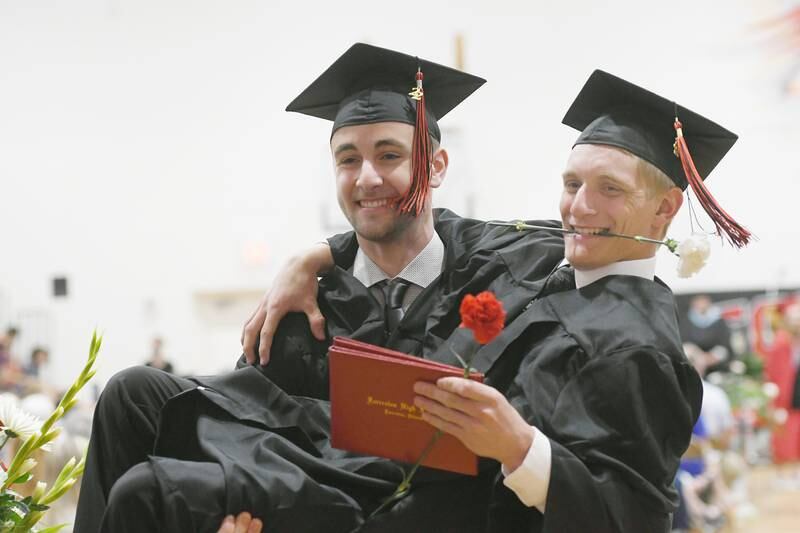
(655, 181)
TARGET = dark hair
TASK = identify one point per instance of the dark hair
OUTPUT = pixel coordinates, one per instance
(36, 350)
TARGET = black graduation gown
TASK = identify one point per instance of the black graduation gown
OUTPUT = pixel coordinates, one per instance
(603, 375)
(269, 428)
(478, 257)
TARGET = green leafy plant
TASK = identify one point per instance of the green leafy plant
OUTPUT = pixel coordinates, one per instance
(20, 514)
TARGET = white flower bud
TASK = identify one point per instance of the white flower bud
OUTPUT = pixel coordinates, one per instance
(27, 465)
(693, 253)
(38, 492)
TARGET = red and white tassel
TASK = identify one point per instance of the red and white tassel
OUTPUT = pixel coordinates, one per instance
(736, 234)
(414, 200)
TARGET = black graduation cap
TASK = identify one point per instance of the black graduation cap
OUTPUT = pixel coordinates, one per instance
(610, 110)
(681, 143)
(369, 84)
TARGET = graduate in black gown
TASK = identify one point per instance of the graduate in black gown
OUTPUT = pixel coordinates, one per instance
(603, 383)
(602, 404)
(175, 454)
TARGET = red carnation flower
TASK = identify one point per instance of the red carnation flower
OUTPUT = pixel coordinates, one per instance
(484, 315)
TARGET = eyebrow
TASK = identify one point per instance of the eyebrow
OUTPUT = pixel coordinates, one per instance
(343, 148)
(615, 180)
(389, 142)
(378, 144)
(569, 175)
(606, 176)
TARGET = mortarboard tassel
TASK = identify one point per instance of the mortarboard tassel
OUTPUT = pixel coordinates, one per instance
(414, 200)
(736, 234)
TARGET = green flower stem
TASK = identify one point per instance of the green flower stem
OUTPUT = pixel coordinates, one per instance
(72, 470)
(404, 486)
(46, 434)
(52, 529)
(68, 476)
(66, 471)
(406, 483)
(671, 244)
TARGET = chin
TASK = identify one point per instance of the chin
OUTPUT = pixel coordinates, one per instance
(375, 235)
(582, 261)
(378, 233)
(577, 257)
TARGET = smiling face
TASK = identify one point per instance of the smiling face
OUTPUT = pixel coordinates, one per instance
(603, 191)
(373, 171)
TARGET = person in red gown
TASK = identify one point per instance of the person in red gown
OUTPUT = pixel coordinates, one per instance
(781, 366)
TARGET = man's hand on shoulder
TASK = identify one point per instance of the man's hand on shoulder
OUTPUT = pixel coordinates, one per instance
(294, 290)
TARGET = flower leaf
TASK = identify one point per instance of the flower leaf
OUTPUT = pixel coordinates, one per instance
(24, 478)
(53, 529)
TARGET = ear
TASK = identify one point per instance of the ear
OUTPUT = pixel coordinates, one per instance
(668, 207)
(439, 162)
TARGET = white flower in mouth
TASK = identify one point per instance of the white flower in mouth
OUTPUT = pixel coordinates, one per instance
(693, 253)
(16, 423)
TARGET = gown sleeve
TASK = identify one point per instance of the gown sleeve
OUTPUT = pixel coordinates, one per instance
(618, 426)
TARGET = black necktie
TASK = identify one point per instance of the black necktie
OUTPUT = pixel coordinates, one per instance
(562, 279)
(393, 292)
(559, 280)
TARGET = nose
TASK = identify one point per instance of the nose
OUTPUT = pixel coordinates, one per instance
(581, 205)
(368, 176)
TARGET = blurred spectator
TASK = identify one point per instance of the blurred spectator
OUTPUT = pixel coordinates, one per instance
(710, 469)
(704, 327)
(32, 380)
(698, 487)
(715, 411)
(26, 379)
(6, 345)
(157, 359)
(10, 371)
(781, 368)
(39, 358)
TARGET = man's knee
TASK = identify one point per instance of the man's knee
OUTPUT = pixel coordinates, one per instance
(137, 388)
(134, 499)
(163, 494)
(123, 387)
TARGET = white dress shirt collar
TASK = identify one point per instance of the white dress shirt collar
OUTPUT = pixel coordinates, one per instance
(643, 268)
(421, 271)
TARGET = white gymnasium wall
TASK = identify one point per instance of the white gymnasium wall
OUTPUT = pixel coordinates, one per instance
(145, 153)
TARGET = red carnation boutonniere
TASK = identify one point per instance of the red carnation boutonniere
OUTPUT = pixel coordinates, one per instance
(484, 315)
